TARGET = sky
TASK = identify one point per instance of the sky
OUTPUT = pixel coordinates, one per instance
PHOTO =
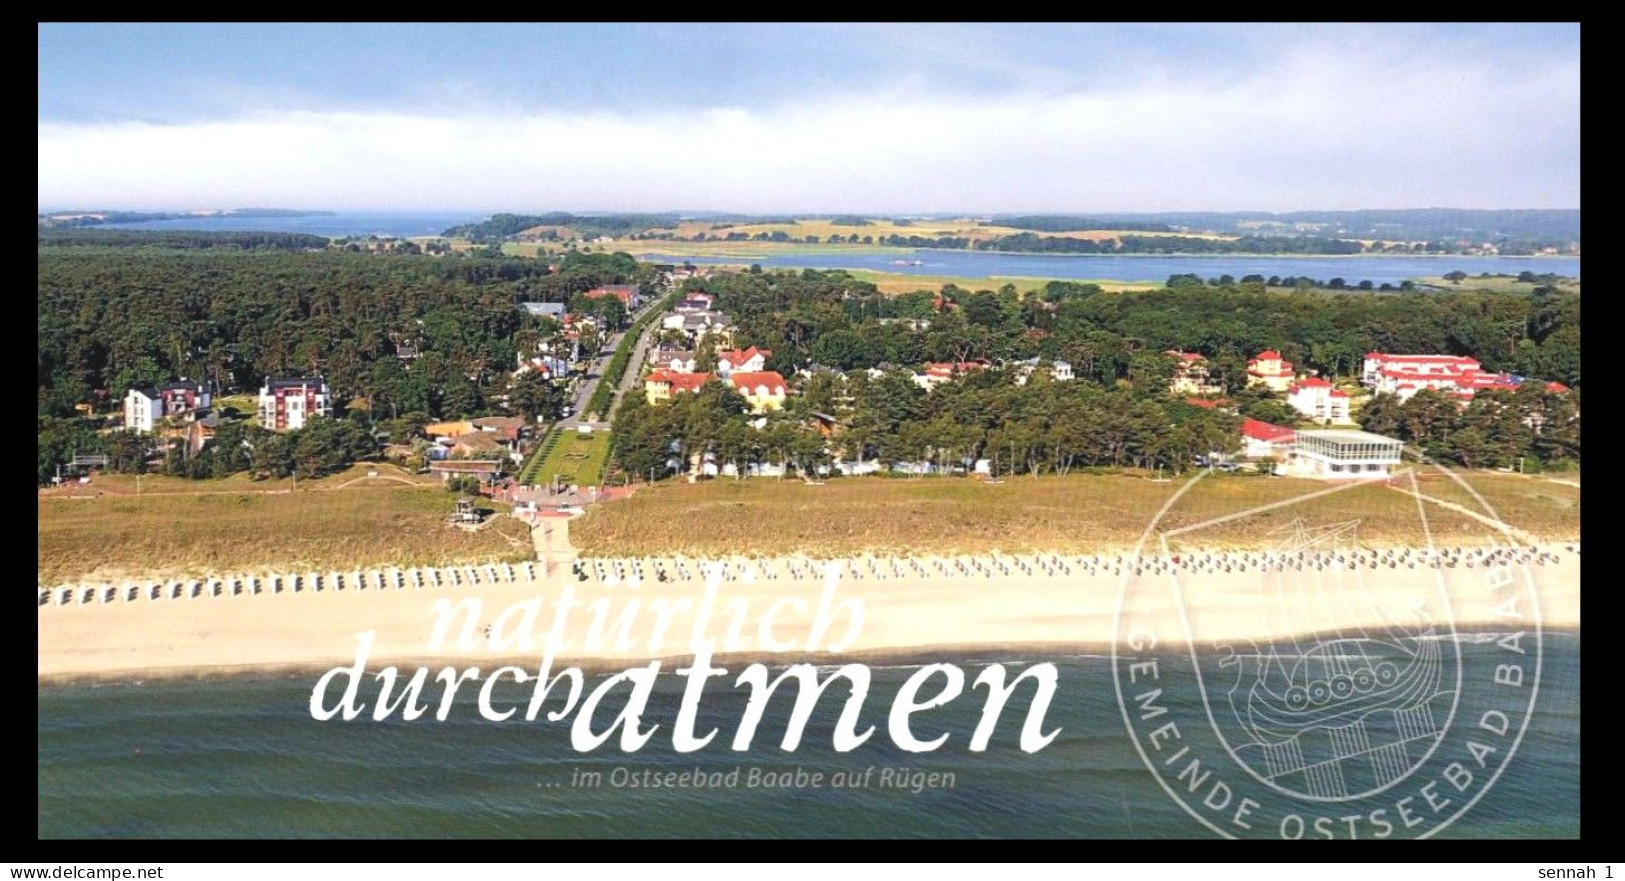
(788, 118)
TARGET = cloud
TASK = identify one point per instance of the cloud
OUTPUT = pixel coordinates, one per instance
(1319, 126)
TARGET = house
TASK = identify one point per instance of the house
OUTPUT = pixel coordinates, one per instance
(1265, 442)
(1457, 375)
(750, 360)
(142, 409)
(675, 360)
(507, 427)
(764, 389)
(1315, 398)
(438, 430)
(287, 404)
(662, 383)
(1269, 370)
(1342, 453)
(549, 366)
(939, 372)
(1190, 375)
(478, 444)
(626, 293)
(1060, 371)
(200, 432)
(695, 302)
(695, 323)
(1405, 375)
(544, 310)
(486, 470)
(145, 408)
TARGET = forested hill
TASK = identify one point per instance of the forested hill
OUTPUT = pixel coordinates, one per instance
(111, 318)
(127, 238)
(505, 225)
(1072, 223)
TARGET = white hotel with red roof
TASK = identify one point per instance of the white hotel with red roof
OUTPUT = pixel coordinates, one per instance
(1461, 376)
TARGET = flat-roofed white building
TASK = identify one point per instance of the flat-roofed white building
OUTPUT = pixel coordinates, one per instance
(1342, 453)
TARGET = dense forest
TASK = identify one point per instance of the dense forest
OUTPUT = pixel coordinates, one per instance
(833, 319)
(590, 226)
(127, 238)
(1070, 223)
(112, 318)
(1118, 411)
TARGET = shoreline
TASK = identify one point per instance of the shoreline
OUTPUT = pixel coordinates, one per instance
(902, 608)
(966, 654)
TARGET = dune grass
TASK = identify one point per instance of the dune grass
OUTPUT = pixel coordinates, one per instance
(369, 524)
(1077, 514)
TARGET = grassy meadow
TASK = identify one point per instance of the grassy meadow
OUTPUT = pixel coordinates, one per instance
(1076, 513)
(238, 525)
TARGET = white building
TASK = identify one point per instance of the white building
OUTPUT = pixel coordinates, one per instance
(1405, 375)
(1060, 371)
(1338, 454)
(287, 404)
(142, 410)
(1315, 398)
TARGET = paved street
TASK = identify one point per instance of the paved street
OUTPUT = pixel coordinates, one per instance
(595, 372)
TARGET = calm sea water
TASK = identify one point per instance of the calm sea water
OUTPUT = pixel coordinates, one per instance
(401, 224)
(241, 757)
(981, 264)
(972, 264)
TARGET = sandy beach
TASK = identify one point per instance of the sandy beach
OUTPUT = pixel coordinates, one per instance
(646, 609)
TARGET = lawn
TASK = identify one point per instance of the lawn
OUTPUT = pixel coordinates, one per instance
(576, 458)
(368, 524)
(1076, 513)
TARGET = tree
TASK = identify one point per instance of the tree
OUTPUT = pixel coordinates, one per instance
(534, 397)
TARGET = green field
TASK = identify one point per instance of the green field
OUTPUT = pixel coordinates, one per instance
(372, 523)
(574, 458)
(1501, 284)
(1077, 513)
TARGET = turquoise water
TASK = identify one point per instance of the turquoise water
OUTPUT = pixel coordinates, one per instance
(241, 757)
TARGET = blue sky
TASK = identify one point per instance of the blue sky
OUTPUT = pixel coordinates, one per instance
(776, 118)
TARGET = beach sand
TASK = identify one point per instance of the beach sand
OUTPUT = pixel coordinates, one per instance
(908, 610)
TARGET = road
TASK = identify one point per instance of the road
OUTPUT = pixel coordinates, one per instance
(595, 372)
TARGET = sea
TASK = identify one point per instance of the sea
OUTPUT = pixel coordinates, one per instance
(240, 756)
(399, 224)
(969, 264)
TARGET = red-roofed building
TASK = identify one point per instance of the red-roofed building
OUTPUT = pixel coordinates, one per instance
(1456, 375)
(1315, 398)
(764, 389)
(938, 372)
(662, 383)
(1265, 441)
(626, 293)
(1190, 375)
(750, 360)
(1269, 370)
